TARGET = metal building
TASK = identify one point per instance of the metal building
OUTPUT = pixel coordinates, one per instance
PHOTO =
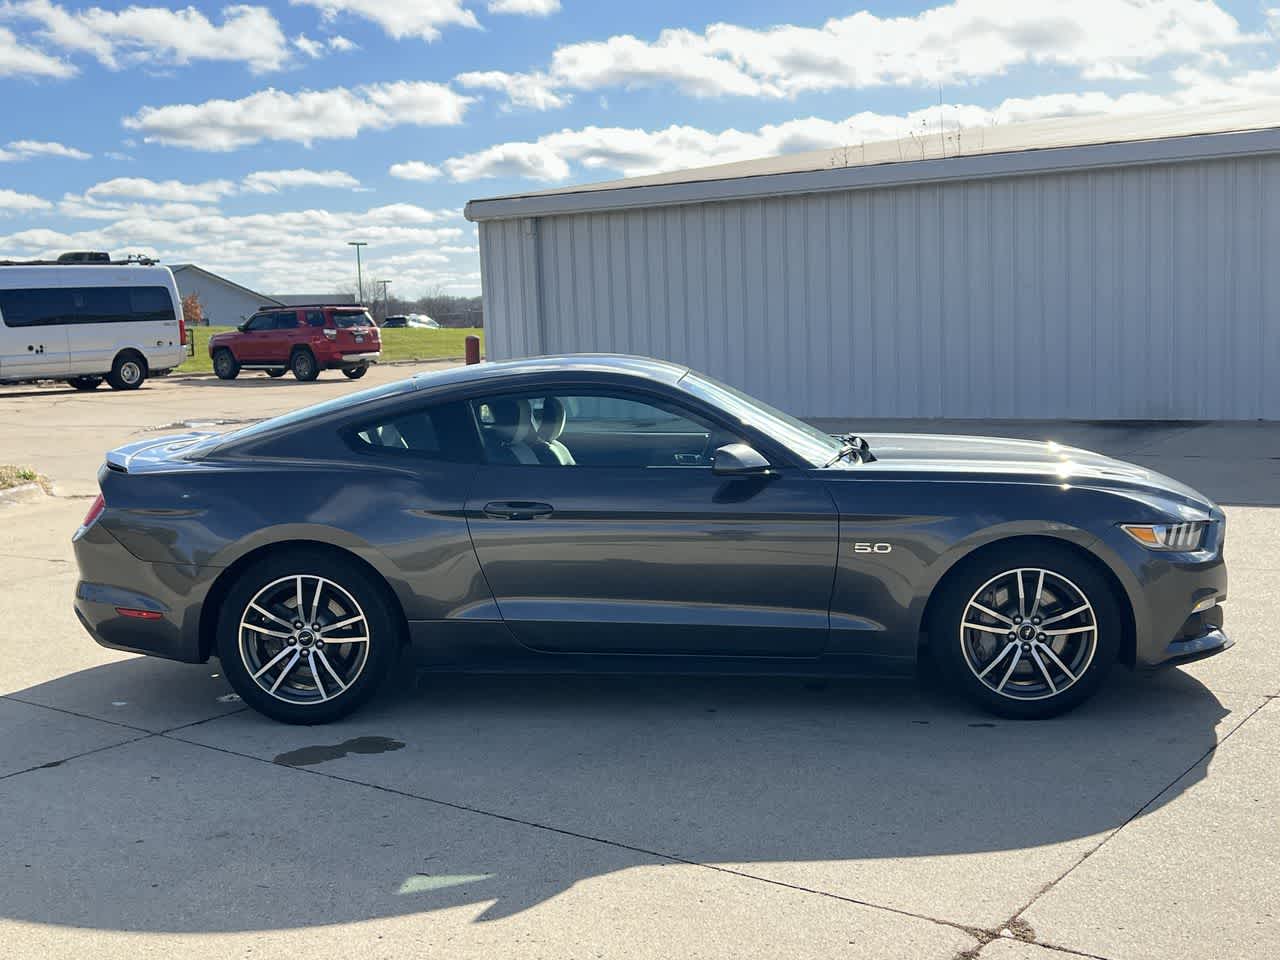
(1101, 268)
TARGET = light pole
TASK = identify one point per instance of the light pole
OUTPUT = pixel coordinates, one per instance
(386, 301)
(359, 275)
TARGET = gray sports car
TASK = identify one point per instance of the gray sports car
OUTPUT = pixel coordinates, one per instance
(601, 514)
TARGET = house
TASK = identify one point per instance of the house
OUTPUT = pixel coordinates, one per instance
(225, 302)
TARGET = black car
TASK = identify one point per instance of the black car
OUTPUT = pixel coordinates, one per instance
(396, 322)
(599, 513)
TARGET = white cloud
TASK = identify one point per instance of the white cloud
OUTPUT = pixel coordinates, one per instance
(633, 152)
(337, 113)
(141, 188)
(315, 49)
(528, 8)
(415, 170)
(533, 90)
(17, 60)
(139, 34)
(959, 42)
(272, 181)
(289, 250)
(26, 149)
(400, 18)
(13, 202)
(312, 48)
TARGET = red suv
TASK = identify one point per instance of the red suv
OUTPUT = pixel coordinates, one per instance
(304, 339)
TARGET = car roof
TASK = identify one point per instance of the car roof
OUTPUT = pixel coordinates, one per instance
(645, 368)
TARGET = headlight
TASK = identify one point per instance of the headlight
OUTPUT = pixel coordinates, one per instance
(1168, 536)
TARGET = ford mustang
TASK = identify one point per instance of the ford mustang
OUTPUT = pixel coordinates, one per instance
(606, 514)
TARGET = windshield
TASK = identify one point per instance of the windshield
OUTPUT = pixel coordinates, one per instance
(809, 442)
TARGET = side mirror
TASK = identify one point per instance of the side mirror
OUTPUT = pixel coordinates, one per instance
(739, 460)
(242, 326)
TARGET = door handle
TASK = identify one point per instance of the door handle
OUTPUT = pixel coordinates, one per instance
(517, 509)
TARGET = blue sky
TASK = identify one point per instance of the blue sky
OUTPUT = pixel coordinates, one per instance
(255, 139)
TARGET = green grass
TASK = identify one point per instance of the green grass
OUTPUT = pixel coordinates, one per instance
(11, 476)
(399, 344)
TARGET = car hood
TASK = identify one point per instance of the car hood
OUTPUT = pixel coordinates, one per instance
(1027, 460)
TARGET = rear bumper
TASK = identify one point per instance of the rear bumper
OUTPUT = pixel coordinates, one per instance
(371, 357)
(112, 580)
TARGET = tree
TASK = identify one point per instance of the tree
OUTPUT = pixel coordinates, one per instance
(192, 310)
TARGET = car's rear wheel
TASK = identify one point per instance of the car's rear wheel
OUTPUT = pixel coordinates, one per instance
(1027, 634)
(306, 637)
(85, 383)
(128, 372)
(304, 366)
(225, 364)
(355, 373)
(277, 373)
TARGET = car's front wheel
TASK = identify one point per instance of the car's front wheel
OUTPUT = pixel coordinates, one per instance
(225, 364)
(128, 372)
(306, 637)
(1026, 633)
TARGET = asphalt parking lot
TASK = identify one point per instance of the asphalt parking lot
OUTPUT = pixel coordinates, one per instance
(146, 813)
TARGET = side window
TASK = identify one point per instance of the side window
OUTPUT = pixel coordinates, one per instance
(101, 304)
(315, 318)
(287, 321)
(151, 303)
(441, 432)
(263, 321)
(36, 308)
(594, 430)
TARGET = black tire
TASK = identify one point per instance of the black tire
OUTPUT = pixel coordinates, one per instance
(1023, 680)
(244, 651)
(85, 383)
(225, 364)
(277, 373)
(303, 364)
(128, 372)
(355, 373)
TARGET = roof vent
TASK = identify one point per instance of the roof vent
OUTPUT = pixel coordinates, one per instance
(85, 256)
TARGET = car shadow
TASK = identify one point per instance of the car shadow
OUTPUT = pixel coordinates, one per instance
(503, 792)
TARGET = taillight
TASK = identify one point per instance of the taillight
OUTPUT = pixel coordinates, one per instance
(182, 329)
(95, 511)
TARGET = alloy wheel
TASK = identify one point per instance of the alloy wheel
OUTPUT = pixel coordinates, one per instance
(304, 639)
(1029, 633)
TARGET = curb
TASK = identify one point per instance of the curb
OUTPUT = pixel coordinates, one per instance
(25, 493)
(204, 375)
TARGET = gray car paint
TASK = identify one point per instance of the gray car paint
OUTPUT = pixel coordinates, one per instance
(721, 573)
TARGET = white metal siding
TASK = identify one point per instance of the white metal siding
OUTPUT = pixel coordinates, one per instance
(1134, 292)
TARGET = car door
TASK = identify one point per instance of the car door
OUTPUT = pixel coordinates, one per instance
(255, 343)
(284, 333)
(601, 528)
(33, 333)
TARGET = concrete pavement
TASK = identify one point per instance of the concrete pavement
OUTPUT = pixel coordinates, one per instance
(148, 814)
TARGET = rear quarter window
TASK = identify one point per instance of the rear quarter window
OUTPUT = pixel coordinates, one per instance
(436, 432)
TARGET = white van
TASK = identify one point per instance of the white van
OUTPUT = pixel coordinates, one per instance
(85, 322)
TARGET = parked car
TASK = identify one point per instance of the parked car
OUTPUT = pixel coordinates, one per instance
(614, 514)
(304, 339)
(396, 322)
(85, 319)
(422, 322)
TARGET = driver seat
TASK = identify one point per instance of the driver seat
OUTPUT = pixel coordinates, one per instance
(547, 447)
